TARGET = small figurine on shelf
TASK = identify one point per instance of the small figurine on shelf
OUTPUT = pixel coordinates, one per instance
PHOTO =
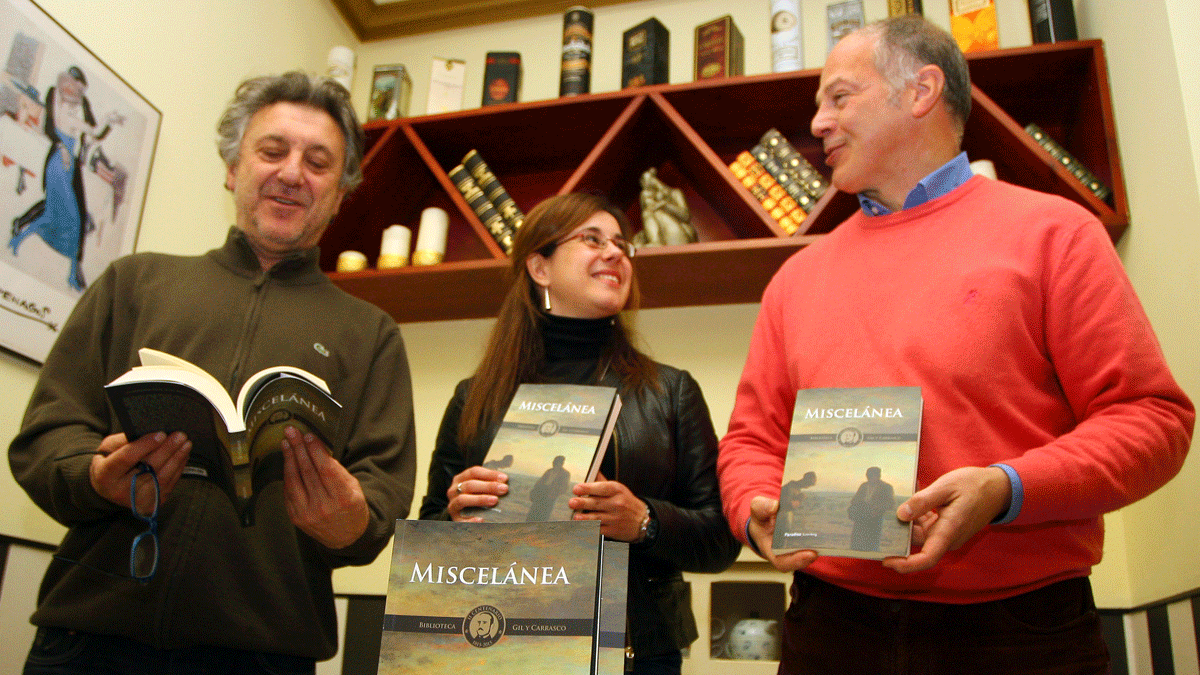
(666, 219)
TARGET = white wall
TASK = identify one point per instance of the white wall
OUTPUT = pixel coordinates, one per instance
(1151, 49)
(187, 55)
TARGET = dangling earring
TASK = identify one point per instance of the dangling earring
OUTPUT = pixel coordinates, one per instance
(546, 298)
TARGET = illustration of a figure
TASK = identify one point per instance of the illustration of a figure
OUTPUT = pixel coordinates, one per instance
(791, 503)
(666, 219)
(556, 481)
(502, 463)
(61, 218)
(483, 625)
(873, 500)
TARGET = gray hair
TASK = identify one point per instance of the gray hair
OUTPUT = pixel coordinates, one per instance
(321, 93)
(908, 43)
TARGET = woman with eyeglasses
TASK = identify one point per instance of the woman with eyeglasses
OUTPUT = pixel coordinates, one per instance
(572, 275)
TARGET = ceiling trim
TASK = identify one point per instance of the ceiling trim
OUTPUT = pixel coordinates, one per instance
(371, 21)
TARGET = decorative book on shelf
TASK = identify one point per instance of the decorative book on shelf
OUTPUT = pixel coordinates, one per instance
(493, 597)
(794, 163)
(786, 179)
(482, 206)
(495, 192)
(851, 462)
(1072, 165)
(775, 198)
(234, 444)
(552, 437)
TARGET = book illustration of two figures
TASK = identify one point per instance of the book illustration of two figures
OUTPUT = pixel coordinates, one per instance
(851, 462)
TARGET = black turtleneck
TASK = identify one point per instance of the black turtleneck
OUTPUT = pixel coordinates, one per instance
(568, 339)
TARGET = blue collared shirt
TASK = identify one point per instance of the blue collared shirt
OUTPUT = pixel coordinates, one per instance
(941, 182)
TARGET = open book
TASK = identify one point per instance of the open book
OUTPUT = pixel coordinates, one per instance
(234, 444)
(552, 437)
(851, 462)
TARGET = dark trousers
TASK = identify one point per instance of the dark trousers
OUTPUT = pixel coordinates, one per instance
(670, 663)
(57, 651)
(1051, 631)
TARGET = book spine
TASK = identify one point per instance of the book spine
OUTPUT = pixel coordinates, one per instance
(794, 163)
(1052, 20)
(785, 179)
(496, 194)
(482, 206)
(1068, 161)
(737, 55)
(781, 206)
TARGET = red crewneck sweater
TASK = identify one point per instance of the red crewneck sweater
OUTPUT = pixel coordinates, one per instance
(1011, 311)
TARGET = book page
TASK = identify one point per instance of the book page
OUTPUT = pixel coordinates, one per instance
(192, 378)
(153, 357)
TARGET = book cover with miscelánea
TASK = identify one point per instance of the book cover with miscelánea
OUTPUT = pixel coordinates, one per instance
(552, 437)
(851, 462)
(493, 598)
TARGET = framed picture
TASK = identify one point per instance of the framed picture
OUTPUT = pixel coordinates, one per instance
(391, 88)
(76, 146)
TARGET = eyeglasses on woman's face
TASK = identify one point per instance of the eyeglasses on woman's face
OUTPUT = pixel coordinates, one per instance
(594, 239)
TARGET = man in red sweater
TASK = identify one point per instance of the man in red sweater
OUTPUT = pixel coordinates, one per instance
(1047, 400)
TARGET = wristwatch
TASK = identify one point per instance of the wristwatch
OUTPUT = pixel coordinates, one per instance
(648, 530)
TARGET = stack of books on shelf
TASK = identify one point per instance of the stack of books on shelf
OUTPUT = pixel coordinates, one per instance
(1058, 152)
(781, 179)
(488, 198)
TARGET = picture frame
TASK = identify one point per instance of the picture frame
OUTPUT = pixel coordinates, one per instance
(76, 147)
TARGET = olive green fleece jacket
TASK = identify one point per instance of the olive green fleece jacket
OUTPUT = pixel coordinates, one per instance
(266, 587)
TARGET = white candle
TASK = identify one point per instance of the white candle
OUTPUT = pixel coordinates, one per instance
(393, 250)
(351, 261)
(431, 237)
(984, 167)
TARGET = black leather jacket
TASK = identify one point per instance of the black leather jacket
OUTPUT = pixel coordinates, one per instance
(667, 453)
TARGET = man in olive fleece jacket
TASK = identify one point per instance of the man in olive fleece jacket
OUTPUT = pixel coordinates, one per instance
(225, 597)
